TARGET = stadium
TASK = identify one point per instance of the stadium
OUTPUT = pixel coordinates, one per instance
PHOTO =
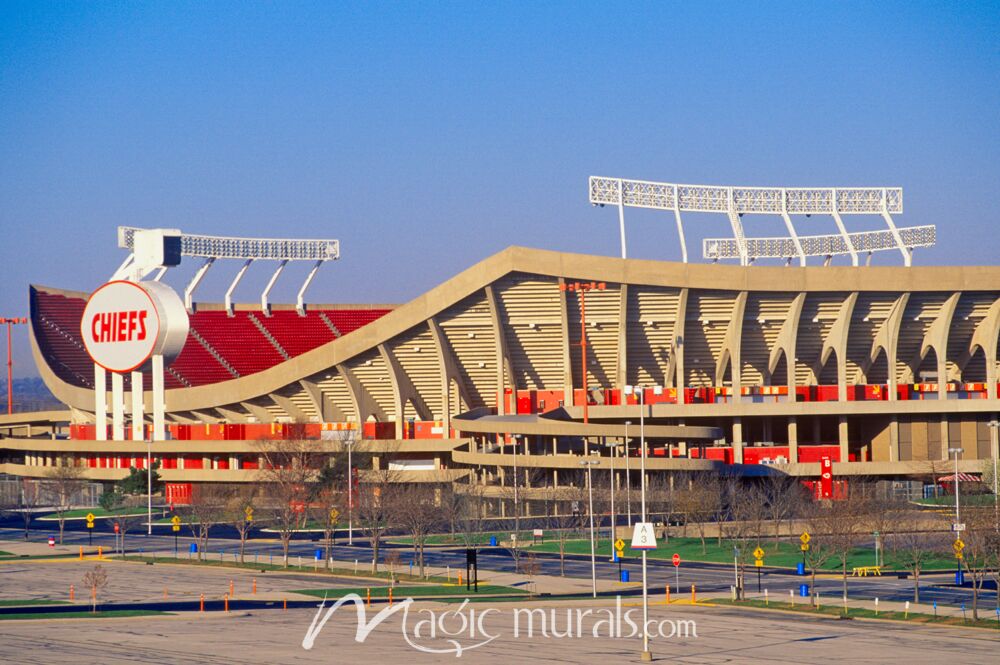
(547, 360)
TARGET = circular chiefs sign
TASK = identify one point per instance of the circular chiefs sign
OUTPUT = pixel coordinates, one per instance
(125, 323)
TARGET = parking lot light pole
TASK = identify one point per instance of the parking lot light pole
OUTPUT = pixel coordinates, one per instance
(955, 452)
(614, 516)
(349, 441)
(993, 425)
(593, 553)
(646, 656)
(149, 486)
(628, 476)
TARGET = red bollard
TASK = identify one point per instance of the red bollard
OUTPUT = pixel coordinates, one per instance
(255, 586)
(390, 596)
(284, 603)
(72, 593)
(225, 600)
(231, 588)
(368, 597)
(202, 608)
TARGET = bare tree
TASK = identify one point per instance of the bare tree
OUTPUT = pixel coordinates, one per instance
(28, 499)
(374, 503)
(450, 506)
(471, 513)
(65, 483)
(702, 500)
(822, 521)
(290, 467)
(914, 548)
(981, 550)
(417, 512)
(208, 508)
(745, 529)
(884, 517)
(240, 512)
(123, 511)
(563, 520)
(392, 559)
(95, 580)
(845, 522)
(785, 497)
(325, 507)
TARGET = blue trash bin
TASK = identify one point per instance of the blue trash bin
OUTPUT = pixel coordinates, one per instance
(319, 555)
(800, 568)
(493, 541)
(804, 590)
(625, 576)
(194, 548)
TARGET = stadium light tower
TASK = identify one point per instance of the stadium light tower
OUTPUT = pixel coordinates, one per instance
(735, 202)
(11, 321)
(214, 248)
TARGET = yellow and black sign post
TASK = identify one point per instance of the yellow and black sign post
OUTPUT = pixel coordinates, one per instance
(90, 529)
(175, 526)
(758, 555)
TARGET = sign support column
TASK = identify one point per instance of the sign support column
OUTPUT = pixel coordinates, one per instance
(137, 407)
(117, 407)
(159, 427)
(100, 403)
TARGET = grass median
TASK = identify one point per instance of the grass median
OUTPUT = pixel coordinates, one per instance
(834, 610)
(787, 555)
(363, 570)
(109, 614)
(399, 592)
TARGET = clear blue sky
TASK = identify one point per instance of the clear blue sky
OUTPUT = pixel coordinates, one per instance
(429, 136)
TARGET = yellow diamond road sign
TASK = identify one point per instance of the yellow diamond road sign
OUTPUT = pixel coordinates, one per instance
(958, 545)
(758, 553)
(805, 538)
(804, 547)
(619, 544)
(175, 520)
(90, 517)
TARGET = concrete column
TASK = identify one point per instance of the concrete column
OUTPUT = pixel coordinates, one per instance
(793, 440)
(894, 440)
(738, 440)
(843, 438)
(946, 443)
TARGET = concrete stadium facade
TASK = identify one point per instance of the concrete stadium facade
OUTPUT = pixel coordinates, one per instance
(750, 369)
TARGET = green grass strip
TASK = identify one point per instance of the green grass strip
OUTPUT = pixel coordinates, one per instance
(832, 609)
(419, 591)
(110, 614)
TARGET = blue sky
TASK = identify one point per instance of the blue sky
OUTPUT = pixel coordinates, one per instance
(429, 136)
